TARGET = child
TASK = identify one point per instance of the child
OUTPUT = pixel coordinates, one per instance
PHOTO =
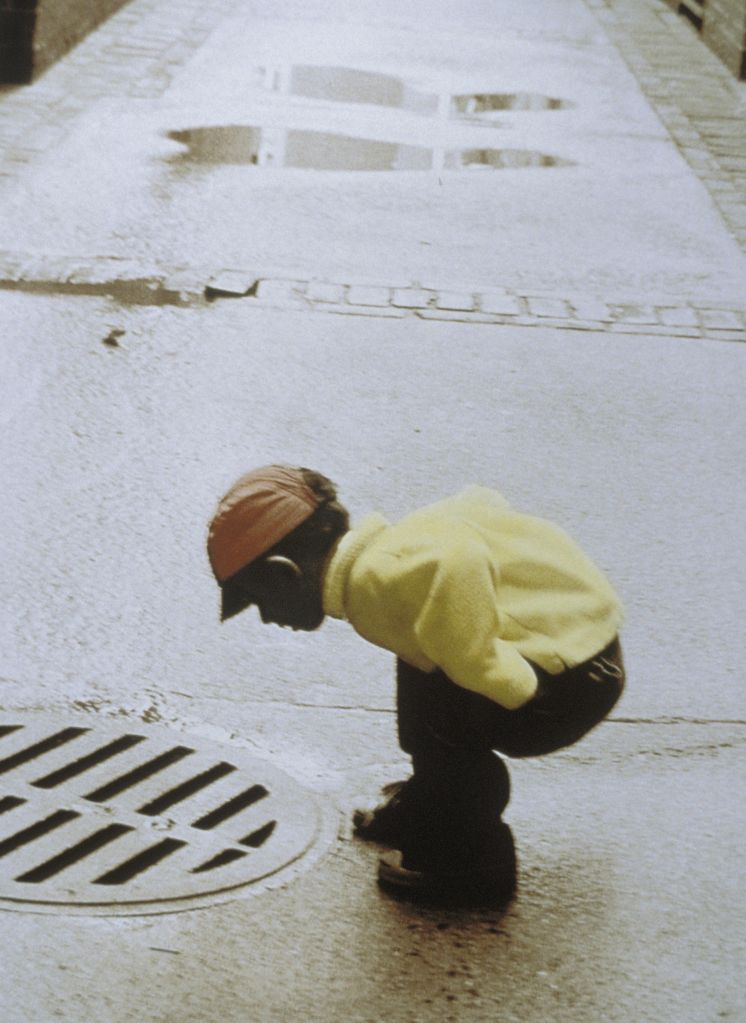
(505, 635)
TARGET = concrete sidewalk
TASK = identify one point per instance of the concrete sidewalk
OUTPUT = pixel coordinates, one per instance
(630, 903)
(163, 330)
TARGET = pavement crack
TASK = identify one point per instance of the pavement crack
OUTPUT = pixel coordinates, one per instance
(676, 721)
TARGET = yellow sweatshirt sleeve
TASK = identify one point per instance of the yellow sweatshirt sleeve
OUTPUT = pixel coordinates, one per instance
(458, 629)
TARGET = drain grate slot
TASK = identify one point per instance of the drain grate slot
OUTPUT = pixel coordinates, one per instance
(221, 860)
(223, 813)
(38, 749)
(10, 803)
(141, 862)
(34, 831)
(186, 789)
(75, 853)
(146, 770)
(260, 836)
(8, 730)
(77, 767)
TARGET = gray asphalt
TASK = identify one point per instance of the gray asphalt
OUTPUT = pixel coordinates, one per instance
(630, 901)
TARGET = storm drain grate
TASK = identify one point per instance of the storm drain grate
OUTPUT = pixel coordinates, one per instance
(98, 817)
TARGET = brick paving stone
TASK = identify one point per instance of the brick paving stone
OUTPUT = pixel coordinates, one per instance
(231, 282)
(279, 291)
(320, 291)
(717, 181)
(129, 269)
(54, 269)
(500, 302)
(724, 190)
(412, 298)
(562, 323)
(736, 218)
(721, 319)
(634, 314)
(590, 309)
(88, 274)
(12, 272)
(372, 296)
(688, 136)
(728, 146)
(387, 311)
(146, 48)
(548, 307)
(679, 316)
(456, 316)
(599, 326)
(458, 300)
(699, 161)
(187, 282)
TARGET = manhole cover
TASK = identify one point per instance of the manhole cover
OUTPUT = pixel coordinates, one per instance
(121, 819)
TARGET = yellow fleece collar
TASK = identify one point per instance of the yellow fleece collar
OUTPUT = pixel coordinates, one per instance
(350, 547)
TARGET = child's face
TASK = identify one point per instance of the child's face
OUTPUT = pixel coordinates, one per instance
(283, 597)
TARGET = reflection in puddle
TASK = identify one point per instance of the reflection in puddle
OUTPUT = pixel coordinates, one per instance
(317, 150)
(501, 159)
(308, 150)
(485, 103)
(221, 144)
(352, 85)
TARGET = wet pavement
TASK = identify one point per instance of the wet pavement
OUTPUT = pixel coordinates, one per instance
(629, 904)
(604, 392)
(580, 146)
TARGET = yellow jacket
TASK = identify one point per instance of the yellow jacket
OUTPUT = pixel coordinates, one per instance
(475, 588)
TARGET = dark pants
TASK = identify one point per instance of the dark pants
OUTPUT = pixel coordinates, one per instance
(451, 732)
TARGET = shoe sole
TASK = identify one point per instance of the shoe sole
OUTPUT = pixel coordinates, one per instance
(481, 889)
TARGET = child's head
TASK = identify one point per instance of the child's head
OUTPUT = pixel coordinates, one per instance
(269, 542)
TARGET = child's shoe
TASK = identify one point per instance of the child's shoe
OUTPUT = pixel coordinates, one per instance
(483, 874)
(387, 822)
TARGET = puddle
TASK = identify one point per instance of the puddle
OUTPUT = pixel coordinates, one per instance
(501, 159)
(353, 85)
(485, 103)
(304, 150)
(329, 151)
(125, 292)
(348, 85)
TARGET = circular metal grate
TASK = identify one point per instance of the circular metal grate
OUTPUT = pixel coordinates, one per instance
(104, 818)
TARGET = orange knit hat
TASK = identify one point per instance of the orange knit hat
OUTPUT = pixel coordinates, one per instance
(259, 510)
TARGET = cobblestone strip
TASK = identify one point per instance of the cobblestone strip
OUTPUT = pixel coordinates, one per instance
(696, 97)
(503, 306)
(135, 53)
(132, 282)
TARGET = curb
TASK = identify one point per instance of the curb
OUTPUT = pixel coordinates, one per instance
(697, 99)
(132, 283)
